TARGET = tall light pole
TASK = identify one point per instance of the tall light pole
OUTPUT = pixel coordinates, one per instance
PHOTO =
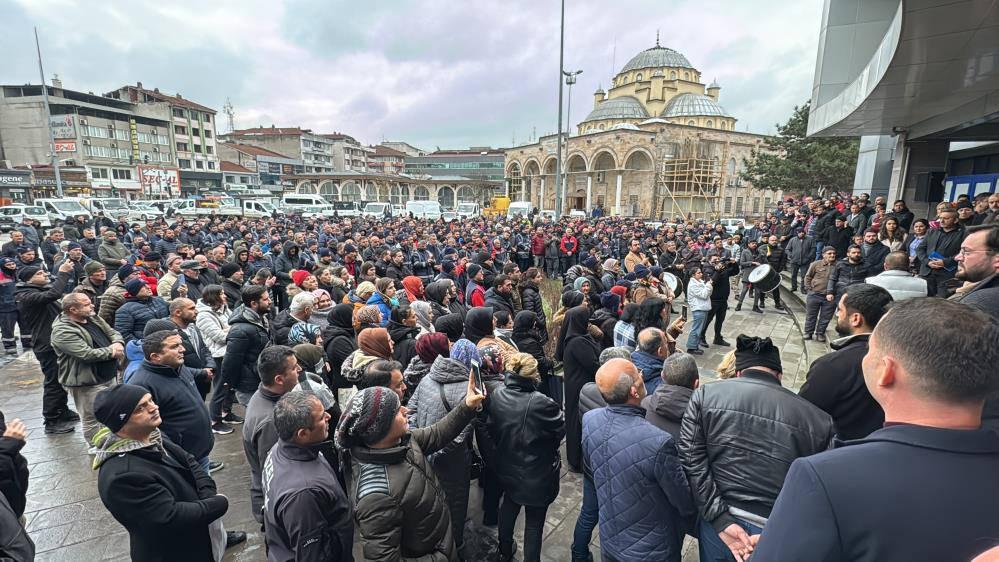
(48, 118)
(570, 79)
(559, 194)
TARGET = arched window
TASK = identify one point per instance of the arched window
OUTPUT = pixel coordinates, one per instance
(445, 196)
(399, 194)
(466, 194)
(639, 77)
(329, 191)
(601, 127)
(686, 76)
(672, 75)
(709, 123)
(722, 125)
(421, 193)
(307, 188)
(350, 192)
(730, 169)
(692, 123)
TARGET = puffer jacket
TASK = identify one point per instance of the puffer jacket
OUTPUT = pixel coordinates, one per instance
(112, 300)
(39, 307)
(379, 300)
(738, 440)
(844, 275)
(526, 428)
(286, 262)
(425, 406)
(664, 408)
(282, 325)
(651, 368)
(214, 327)
(400, 506)
(248, 336)
(645, 502)
(530, 299)
(133, 353)
(77, 355)
(130, 320)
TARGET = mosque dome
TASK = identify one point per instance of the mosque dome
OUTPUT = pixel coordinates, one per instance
(657, 57)
(691, 105)
(624, 107)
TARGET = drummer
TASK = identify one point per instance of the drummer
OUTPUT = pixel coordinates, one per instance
(774, 256)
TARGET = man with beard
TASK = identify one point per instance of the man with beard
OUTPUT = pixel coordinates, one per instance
(874, 251)
(74, 255)
(937, 253)
(835, 382)
(848, 271)
(94, 283)
(89, 243)
(166, 285)
(112, 253)
(191, 284)
(978, 263)
(397, 270)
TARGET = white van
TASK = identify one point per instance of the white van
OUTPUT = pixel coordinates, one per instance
(12, 217)
(296, 201)
(377, 209)
(343, 209)
(63, 210)
(112, 207)
(731, 224)
(430, 210)
(522, 208)
(468, 210)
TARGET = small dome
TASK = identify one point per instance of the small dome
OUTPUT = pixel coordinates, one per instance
(657, 57)
(691, 105)
(599, 91)
(625, 126)
(714, 84)
(624, 107)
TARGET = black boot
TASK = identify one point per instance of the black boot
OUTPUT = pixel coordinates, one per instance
(721, 342)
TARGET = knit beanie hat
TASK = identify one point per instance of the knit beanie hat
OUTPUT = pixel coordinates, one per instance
(27, 273)
(228, 269)
(133, 286)
(367, 418)
(756, 352)
(349, 249)
(113, 406)
(159, 325)
(610, 300)
(124, 271)
(473, 270)
(74, 246)
(590, 262)
(641, 271)
(299, 275)
(93, 267)
(448, 266)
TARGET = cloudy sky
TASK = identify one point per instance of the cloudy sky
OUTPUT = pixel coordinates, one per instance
(430, 72)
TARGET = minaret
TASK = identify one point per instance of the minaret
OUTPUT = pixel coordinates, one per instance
(713, 90)
(599, 96)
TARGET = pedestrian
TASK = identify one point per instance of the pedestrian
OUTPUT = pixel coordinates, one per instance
(307, 514)
(212, 322)
(88, 352)
(140, 307)
(38, 306)
(249, 334)
(152, 486)
(934, 404)
(936, 254)
(818, 308)
(664, 408)
(634, 464)
(580, 355)
(699, 300)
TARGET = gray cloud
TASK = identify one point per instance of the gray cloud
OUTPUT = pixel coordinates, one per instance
(433, 73)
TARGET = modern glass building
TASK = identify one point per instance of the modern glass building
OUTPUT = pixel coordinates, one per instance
(479, 163)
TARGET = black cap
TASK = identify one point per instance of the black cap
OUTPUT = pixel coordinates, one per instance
(113, 406)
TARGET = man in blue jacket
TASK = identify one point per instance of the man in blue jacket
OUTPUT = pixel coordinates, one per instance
(645, 502)
(924, 486)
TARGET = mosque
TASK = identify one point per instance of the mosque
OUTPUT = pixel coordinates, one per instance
(657, 144)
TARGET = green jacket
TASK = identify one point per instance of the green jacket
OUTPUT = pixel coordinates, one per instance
(76, 353)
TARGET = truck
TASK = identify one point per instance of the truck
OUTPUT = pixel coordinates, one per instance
(111, 207)
(468, 210)
(497, 207)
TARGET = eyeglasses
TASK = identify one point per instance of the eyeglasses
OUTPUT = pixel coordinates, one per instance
(965, 251)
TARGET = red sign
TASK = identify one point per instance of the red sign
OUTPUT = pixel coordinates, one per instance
(65, 146)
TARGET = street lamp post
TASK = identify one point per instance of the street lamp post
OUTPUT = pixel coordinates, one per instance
(559, 194)
(570, 79)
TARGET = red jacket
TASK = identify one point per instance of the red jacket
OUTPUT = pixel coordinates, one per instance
(569, 244)
(538, 245)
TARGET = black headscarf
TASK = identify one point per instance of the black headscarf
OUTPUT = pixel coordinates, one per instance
(451, 325)
(572, 298)
(342, 316)
(479, 323)
(524, 324)
(575, 325)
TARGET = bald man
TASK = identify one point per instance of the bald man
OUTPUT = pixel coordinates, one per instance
(619, 444)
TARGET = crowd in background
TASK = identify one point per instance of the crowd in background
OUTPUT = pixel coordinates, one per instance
(375, 370)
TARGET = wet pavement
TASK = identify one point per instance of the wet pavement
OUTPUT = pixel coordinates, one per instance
(67, 521)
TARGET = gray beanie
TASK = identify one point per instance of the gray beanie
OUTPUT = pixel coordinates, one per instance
(367, 417)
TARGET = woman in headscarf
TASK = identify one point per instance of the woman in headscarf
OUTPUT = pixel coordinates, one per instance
(580, 356)
(402, 328)
(480, 329)
(569, 300)
(305, 332)
(324, 305)
(358, 298)
(412, 290)
(451, 325)
(369, 316)
(583, 285)
(372, 344)
(339, 341)
(428, 349)
(437, 394)
(384, 298)
(424, 318)
(493, 372)
(526, 335)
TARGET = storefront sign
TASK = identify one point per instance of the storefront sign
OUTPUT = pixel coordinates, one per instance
(157, 181)
(133, 132)
(63, 126)
(14, 179)
(65, 146)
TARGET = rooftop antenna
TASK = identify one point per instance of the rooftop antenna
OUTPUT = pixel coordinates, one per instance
(614, 57)
(230, 114)
(657, 38)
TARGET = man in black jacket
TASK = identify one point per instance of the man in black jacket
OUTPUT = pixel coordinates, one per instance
(937, 254)
(723, 271)
(848, 271)
(38, 305)
(874, 252)
(249, 334)
(838, 236)
(932, 453)
(754, 429)
(152, 486)
(835, 382)
(307, 514)
(775, 256)
(500, 295)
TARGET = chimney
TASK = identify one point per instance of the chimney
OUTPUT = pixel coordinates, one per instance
(179, 96)
(138, 85)
(56, 82)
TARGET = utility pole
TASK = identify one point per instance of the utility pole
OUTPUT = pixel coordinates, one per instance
(48, 119)
(570, 79)
(559, 194)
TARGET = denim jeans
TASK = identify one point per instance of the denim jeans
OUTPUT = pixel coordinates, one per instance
(694, 337)
(712, 549)
(589, 515)
(204, 464)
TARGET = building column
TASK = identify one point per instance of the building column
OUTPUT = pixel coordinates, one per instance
(914, 162)
(874, 165)
(589, 193)
(617, 196)
(541, 201)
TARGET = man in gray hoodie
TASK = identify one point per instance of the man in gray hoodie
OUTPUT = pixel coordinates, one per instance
(664, 408)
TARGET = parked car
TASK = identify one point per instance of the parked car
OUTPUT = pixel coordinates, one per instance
(732, 224)
(469, 210)
(12, 216)
(142, 211)
(577, 214)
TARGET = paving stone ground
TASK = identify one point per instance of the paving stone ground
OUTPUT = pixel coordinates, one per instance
(67, 521)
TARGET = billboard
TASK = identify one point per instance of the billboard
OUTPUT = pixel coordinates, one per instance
(65, 145)
(63, 126)
(134, 136)
(159, 181)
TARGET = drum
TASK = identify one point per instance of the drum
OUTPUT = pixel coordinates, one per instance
(671, 281)
(765, 278)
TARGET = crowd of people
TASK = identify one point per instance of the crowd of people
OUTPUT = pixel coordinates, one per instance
(376, 370)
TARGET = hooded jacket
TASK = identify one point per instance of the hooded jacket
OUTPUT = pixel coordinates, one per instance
(160, 494)
(77, 355)
(287, 262)
(377, 299)
(248, 336)
(404, 340)
(339, 341)
(651, 367)
(499, 301)
(664, 408)
(426, 407)
(185, 417)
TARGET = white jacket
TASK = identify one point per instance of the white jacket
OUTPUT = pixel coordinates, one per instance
(900, 284)
(214, 326)
(699, 294)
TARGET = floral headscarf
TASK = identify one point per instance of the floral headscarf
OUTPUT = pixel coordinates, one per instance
(465, 352)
